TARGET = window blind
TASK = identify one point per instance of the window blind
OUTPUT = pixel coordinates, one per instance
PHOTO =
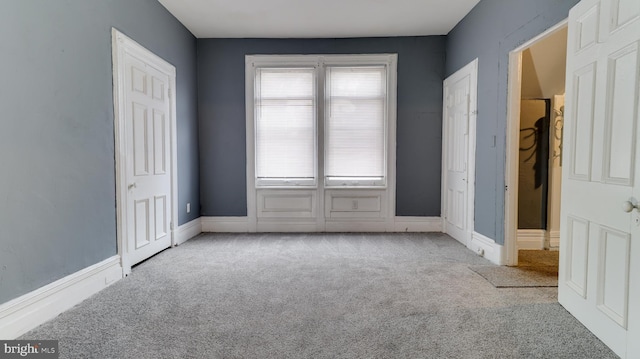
(355, 125)
(285, 111)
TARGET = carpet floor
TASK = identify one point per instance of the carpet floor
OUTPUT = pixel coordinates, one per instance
(318, 296)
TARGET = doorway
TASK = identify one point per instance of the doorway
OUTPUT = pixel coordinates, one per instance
(534, 149)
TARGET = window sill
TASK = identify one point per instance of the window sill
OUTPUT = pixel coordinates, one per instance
(355, 187)
(263, 187)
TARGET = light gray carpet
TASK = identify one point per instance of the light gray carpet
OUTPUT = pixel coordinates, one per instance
(318, 296)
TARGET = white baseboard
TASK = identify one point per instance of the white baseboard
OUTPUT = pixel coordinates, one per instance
(225, 224)
(531, 238)
(24, 313)
(418, 224)
(400, 224)
(379, 226)
(284, 226)
(488, 248)
(188, 230)
(554, 239)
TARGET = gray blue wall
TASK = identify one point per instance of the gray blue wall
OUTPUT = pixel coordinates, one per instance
(221, 107)
(489, 32)
(57, 181)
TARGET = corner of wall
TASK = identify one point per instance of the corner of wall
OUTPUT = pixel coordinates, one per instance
(188, 231)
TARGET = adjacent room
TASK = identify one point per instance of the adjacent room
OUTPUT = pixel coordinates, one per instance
(213, 179)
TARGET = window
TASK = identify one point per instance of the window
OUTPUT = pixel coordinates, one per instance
(355, 125)
(285, 107)
(320, 118)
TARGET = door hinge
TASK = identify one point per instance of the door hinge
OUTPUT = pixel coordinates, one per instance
(171, 225)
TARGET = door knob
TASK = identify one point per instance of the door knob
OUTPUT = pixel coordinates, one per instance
(133, 185)
(629, 205)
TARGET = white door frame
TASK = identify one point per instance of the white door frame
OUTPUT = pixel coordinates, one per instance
(512, 165)
(120, 45)
(471, 70)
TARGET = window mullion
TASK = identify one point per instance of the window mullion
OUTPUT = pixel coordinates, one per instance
(320, 125)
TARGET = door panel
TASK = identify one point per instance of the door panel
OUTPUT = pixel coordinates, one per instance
(141, 223)
(601, 243)
(620, 107)
(158, 88)
(138, 77)
(577, 256)
(159, 143)
(161, 210)
(140, 143)
(613, 274)
(624, 12)
(584, 83)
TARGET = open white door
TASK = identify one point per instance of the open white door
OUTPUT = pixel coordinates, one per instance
(145, 162)
(458, 152)
(599, 279)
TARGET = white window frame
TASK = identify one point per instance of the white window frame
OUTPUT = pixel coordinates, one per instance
(319, 219)
(290, 182)
(320, 63)
(339, 182)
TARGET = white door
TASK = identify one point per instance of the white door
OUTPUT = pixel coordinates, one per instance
(145, 130)
(600, 263)
(459, 152)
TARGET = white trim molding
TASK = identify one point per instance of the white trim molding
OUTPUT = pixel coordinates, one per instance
(225, 224)
(488, 248)
(26, 312)
(531, 238)
(512, 164)
(418, 224)
(287, 225)
(188, 230)
(554, 239)
(322, 205)
(243, 225)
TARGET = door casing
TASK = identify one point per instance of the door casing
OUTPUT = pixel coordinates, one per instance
(512, 166)
(120, 44)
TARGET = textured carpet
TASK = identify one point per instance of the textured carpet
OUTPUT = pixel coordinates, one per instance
(318, 296)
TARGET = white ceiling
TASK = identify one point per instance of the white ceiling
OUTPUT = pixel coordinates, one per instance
(318, 18)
